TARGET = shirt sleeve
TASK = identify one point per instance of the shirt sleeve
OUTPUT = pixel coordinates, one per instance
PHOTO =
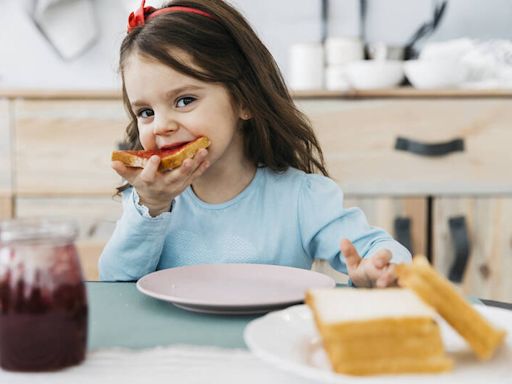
(324, 222)
(136, 244)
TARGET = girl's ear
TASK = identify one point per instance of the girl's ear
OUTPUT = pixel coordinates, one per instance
(245, 114)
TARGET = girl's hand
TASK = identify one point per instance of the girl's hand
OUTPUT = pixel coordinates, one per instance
(376, 271)
(157, 189)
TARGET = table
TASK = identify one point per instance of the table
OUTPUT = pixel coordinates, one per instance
(121, 316)
(134, 338)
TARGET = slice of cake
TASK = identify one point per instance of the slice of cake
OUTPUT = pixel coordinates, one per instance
(377, 331)
(437, 291)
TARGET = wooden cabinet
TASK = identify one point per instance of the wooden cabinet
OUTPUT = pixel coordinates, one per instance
(359, 139)
(6, 207)
(473, 244)
(63, 147)
(5, 154)
(440, 164)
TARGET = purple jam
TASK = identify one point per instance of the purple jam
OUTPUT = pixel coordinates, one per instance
(43, 325)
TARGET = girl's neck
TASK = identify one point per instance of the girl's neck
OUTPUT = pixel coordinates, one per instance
(224, 180)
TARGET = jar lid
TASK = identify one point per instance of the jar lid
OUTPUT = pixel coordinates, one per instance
(37, 229)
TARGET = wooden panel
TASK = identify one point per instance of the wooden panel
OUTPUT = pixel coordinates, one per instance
(6, 208)
(358, 139)
(95, 216)
(5, 149)
(489, 221)
(382, 212)
(64, 147)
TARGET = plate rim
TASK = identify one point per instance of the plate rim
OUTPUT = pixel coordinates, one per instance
(329, 283)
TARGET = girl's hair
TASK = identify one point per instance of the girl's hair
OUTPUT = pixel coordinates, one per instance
(227, 51)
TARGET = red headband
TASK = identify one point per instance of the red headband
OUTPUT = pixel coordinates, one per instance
(141, 15)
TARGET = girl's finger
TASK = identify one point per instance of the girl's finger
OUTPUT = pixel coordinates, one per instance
(150, 170)
(199, 170)
(127, 173)
(195, 162)
(381, 258)
(388, 278)
(352, 258)
(187, 168)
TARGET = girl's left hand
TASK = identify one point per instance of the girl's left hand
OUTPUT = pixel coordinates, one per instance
(376, 271)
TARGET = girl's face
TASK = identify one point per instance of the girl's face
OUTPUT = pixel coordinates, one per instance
(173, 109)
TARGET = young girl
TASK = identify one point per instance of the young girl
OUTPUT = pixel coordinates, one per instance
(196, 68)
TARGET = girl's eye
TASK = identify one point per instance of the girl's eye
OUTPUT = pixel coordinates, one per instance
(184, 101)
(145, 113)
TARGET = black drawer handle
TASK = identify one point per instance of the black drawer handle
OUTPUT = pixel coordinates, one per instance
(403, 232)
(460, 238)
(437, 149)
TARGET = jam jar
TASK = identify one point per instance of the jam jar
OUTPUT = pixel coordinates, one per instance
(43, 302)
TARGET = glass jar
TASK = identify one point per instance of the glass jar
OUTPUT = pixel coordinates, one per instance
(43, 303)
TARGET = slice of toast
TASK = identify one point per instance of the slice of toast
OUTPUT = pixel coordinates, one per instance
(438, 292)
(168, 158)
(377, 331)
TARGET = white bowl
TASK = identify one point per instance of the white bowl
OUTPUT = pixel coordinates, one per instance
(430, 74)
(372, 74)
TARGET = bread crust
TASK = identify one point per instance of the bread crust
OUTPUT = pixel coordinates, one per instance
(139, 159)
(483, 337)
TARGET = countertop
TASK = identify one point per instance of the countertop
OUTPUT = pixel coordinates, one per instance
(399, 92)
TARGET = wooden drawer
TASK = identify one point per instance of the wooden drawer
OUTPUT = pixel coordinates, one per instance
(64, 146)
(95, 216)
(358, 139)
(5, 148)
(488, 223)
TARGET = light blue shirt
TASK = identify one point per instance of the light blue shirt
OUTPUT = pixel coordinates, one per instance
(289, 218)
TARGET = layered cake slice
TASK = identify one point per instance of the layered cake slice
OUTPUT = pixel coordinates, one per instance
(437, 291)
(377, 331)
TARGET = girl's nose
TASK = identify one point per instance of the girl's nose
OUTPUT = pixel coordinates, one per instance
(165, 126)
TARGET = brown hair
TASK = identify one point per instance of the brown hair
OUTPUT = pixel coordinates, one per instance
(227, 51)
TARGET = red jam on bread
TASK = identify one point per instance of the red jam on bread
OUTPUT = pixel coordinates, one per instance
(170, 157)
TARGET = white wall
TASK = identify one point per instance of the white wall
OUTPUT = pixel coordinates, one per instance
(28, 61)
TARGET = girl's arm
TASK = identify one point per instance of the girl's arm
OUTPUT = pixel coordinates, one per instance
(136, 244)
(324, 223)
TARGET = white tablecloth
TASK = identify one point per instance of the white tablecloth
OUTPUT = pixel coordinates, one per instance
(169, 365)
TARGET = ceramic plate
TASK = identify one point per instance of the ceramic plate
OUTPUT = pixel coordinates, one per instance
(288, 340)
(232, 288)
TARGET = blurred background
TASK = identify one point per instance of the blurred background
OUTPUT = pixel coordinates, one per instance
(411, 101)
(74, 43)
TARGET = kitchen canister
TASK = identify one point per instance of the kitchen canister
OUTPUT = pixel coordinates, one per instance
(336, 78)
(306, 66)
(342, 50)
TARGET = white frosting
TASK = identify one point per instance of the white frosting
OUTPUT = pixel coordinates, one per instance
(346, 304)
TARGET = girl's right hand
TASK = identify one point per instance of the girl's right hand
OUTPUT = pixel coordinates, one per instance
(158, 189)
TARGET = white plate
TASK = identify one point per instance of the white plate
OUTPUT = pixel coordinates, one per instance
(232, 288)
(288, 340)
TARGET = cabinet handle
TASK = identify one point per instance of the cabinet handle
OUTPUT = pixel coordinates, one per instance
(402, 228)
(485, 271)
(434, 149)
(460, 238)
